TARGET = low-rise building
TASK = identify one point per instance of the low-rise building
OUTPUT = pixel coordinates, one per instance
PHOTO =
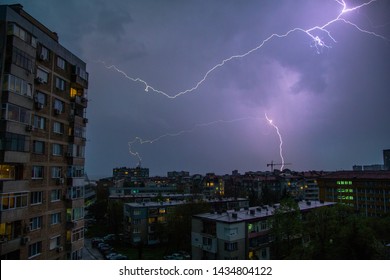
(141, 219)
(237, 234)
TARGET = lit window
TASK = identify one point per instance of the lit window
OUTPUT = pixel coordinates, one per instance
(7, 172)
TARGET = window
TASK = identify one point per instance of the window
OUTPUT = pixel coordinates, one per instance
(75, 171)
(42, 76)
(60, 84)
(76, 192)
(56, 172)
(231, 231)
(17, 85)
(36, 198)
(231, 246)
(13, 200)
(40, 99)
(22, 59)
(59, 106)
(79, 131)
(38, 147)
(206, 241)
(34, 249)
(55, 195)
(55, 242)
(36, 223)
(77, 234)
(61, 63)
(44, 53)
(76, 150)
(77, 213)
(57, 150)
(55, 218)
(58, 127)
(15, 113)
(14, 29)
(7, 172)
(14, 142)
(37, 172)
(39, 122)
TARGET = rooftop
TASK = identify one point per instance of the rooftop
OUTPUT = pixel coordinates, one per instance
(381, 174)
(258, 212)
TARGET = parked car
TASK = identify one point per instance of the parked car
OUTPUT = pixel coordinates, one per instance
(109, 238)
(110, 255)
(95, 241)
(119, 257)
(185, 255)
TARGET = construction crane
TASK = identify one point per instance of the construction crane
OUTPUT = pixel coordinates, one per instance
(272, 164)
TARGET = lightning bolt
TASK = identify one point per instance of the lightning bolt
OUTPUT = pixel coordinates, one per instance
(280, 140)
(186, 131)
(316, 40)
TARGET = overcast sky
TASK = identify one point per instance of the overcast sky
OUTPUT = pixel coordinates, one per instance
(331, 104)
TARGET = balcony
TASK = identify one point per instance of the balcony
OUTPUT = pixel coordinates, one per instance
(13, 185)
(7, 246)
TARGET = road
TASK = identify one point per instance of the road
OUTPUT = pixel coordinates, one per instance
(90, 253)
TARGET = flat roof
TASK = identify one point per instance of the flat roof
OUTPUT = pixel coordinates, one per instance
(258, 212)
(380, 174)
(177, 202)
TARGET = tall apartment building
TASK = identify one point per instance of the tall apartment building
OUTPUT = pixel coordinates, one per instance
(42, 141)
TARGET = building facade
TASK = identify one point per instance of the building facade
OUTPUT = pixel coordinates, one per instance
(241, 234)
(42, 141)
(367, 191)
(142, 219)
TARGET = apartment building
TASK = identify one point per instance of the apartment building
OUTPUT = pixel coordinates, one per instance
(141, 219)
(367, 191)
(42, 141)
(241, 234)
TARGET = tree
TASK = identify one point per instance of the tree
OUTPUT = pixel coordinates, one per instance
(286, 228)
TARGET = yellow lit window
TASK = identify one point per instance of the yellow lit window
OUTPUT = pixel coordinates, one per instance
(73, 92)
(7, 172)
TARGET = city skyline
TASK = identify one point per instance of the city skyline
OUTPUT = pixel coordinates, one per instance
(330, 103)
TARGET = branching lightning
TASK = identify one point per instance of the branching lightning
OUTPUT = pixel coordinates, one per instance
(280, 140)
(186, 131)
(317, 41)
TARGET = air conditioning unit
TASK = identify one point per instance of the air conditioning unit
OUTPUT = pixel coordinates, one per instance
(29, 128)
(25, 240)
(69, 154)
(60, 181)
(57, 111)
(60, 249)
(38, 105)
(85, 120)
(42, 57)
(39, 80)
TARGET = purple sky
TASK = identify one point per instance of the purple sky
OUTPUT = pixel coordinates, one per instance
(332, 105)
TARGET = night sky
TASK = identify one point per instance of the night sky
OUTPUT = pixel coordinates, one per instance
(331, 103)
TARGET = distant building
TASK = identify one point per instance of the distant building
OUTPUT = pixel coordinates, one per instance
(130, 173)
(178, 174)
(386, 159)
(42, 141)
(141, 219)
(237, 234)
(366, 191)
